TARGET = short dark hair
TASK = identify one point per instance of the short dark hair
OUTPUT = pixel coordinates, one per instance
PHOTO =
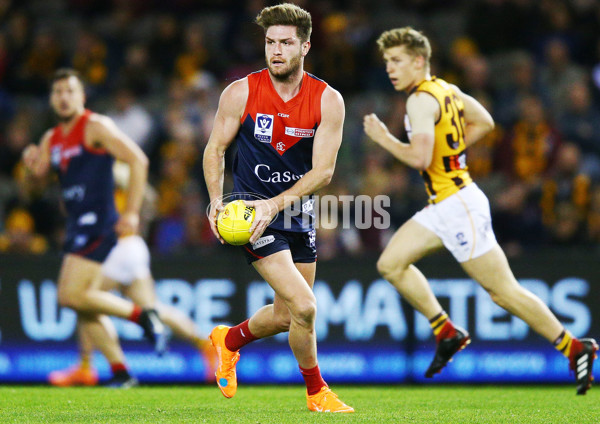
(287, 14)
(64, 73)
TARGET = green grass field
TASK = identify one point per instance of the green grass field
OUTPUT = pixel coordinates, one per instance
(287, 404)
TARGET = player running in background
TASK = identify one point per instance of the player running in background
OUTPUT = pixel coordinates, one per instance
(284, 122)
(127, 269)
(441, 122)
(82, 149)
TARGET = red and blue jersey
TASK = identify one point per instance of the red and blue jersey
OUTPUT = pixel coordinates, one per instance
(87, 186)
(275, 144)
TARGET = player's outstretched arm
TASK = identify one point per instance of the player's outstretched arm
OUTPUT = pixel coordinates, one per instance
(422, 110)
(478, 120)
(36, 158)
(102, 132)
(226, 125)
(327, 142)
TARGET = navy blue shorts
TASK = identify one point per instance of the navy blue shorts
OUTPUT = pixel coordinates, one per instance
(95, 248)
(302, 246)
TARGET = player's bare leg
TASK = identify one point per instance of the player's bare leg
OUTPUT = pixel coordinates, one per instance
(300, 301)
(492, 271)
(410, 243)
(79, 289)
(142, 292)
(275, 318)
(295, 291)
(102, 334)
(83, 373)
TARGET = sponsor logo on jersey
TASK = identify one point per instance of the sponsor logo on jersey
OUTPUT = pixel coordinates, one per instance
(264, 173)
(299, 132)
(263, 241)
(80, 240)
(89, 218)
(455, 162)
(61, 157)
(76, 192)
(263, 127)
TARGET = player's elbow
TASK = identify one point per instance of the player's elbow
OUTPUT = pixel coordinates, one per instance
(325, 177)
(489, 125)
(422, 163)
(144, 162)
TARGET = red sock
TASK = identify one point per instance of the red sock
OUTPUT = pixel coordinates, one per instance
(135, 315)
(118, 367)
(312, 378)
(239, 336)
(446, 332)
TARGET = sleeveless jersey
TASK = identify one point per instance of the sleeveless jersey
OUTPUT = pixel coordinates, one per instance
(448, 170)
(275, 143)
(87, 186)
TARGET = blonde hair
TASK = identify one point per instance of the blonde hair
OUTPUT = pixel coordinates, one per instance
(286, 14)
(415, 42)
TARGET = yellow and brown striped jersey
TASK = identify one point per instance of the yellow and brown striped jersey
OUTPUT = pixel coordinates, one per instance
(448, 170)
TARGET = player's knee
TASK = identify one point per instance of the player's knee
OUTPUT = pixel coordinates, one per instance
(388, 267)
(67, 299)
(305, 311)
(282, 322)
(500, 299)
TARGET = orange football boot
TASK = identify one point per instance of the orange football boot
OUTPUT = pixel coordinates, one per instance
(326, 401)
(74, 376)
(226, 360)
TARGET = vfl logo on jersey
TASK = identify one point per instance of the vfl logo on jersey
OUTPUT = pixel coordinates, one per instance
(59, 157)
(299, 132)
(263, 128)
(55, 156)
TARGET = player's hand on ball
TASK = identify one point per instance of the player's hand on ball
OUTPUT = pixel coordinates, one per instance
(265, 210)
(215, 208)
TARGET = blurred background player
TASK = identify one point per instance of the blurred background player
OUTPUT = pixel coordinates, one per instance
(127, 269)
(441, 122)
(82, 149)
(282, 120)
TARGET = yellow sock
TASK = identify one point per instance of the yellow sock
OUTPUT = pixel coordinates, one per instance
(564, 342)
(438, 321)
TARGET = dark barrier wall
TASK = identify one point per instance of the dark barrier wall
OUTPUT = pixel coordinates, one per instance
(366, 332)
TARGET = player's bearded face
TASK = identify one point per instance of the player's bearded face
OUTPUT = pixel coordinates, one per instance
(282, 68)
(67, 98)
(284, 51)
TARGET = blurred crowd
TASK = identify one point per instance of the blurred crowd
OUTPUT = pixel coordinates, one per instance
(157, 68)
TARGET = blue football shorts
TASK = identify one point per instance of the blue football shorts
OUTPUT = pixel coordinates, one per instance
(302, 246)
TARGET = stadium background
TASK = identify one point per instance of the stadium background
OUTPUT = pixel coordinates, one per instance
(157, 69)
